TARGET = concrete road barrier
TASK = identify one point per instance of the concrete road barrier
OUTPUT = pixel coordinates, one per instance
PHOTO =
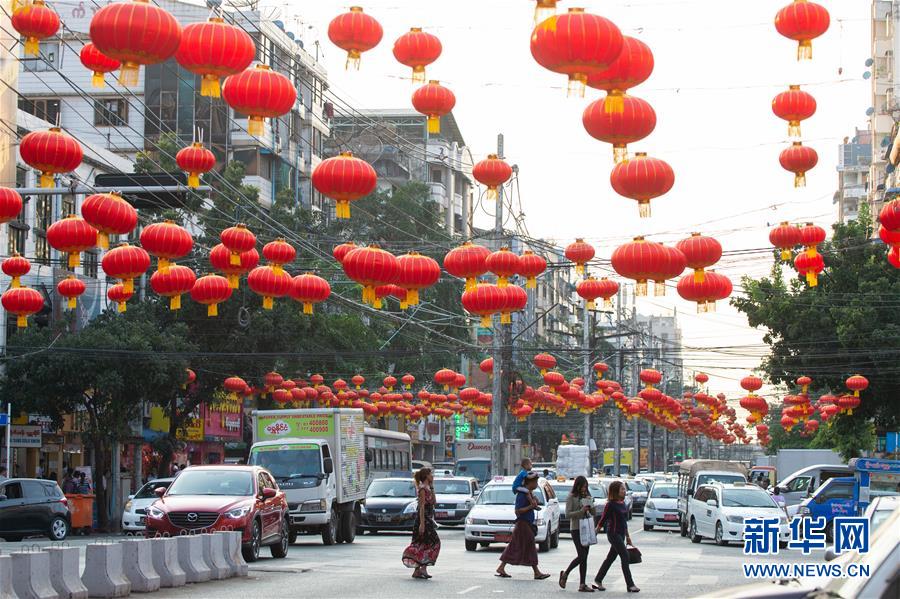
(233, 552)
(137, 564)
(164, 552)
(190, 558)
(103, 575)
(65, 572)
(214, 552)
(30, 580)
(6, 586)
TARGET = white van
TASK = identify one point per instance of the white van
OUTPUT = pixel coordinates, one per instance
(803, 483)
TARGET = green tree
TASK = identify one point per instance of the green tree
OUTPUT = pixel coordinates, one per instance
(161, 159)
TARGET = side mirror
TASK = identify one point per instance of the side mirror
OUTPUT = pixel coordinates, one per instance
(2, 497)
(131, 497)
(690, 492)
(268, 493)
(328, 466)
(712, 502)
(159, 491)
(776, 491)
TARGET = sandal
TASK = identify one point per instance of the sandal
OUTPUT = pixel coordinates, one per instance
(633, 589)
(598, 586)
(502, 575)
(585, 589)
(543, 576)
(562, 579)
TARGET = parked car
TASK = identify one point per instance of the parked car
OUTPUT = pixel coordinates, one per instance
(638, 491)
(881, 508)
(444, 469)
(629, 498)
(454, 497)
(802, 484)
(390, 504)
(693, 473)
(31, 507)
(210, 498)
(135, 512)
(562, 490)
(492, 518)
(718, 512)
(662, 505)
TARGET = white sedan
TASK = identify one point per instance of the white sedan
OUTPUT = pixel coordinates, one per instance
(493, 516)
(137, 504)
(662, 506)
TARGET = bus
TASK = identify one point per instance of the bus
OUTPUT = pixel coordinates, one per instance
(388, 453)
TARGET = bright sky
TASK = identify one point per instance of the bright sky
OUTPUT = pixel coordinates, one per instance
(718, 66)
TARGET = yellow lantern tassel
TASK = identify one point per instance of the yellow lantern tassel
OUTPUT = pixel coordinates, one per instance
(412, 297)
(577, 83)
(804, 50)
(209, 86)
(607, 303)
(377, 303)
(505, 318)
(16, 283)
(590, 305)
(471, 283)
(234, 280)
(579, 269)
(256, 125)
(193, 180)
(128, 74)
(21, 321)
(786, 255)
(640, 289)
(502, 282)
(699, 275)
(620, 153)
(278, 269)
(531, 283)
(71, 303)
(32, 46)
(353, 57)
(212, 310)
(856, 393)
(793, 128)
(614, 102)
(308, 309)
(800, 180)
(97, 80)
(491, 193)
(163, 265)
(486, 321)
(128, 285)
(644, 209)
(268, 302)
(235, 259)
(812, 279)
(102, 240)
(175, 302)
(659, 288)
(418, 75)
(404, 304)
(122, 307)
(74, 259)
(811, 251)
(434, 124)
(47, 180)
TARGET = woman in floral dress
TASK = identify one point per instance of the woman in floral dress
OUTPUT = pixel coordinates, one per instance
(426, 545)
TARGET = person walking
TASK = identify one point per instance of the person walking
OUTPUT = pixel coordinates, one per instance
(426, 545)
(521, 550)
(579, 507)
(614, 519)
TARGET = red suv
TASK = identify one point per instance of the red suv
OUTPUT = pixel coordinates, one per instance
(209, 498)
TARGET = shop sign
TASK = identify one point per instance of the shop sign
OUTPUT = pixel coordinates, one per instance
(25, 435)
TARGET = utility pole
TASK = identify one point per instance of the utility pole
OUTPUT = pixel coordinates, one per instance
(586, 372)
(620, 374)
(635, 386)
(497, 406)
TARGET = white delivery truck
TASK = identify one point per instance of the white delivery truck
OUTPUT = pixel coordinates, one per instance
(318, 458)
(573, 461)
(473, 458)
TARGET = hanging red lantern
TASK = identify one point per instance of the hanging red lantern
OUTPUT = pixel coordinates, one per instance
(531, 266)
(811, 236)
(889, 216)
(135, 33)
(580, 253)
(220, 258)
(810, 267)
(784, 237)
(751, 383)
(701, 378)
(416, 272)
(34, 21)
(355, 32)
(891, 238)
(260, 93)
(504, 264)
(794, 106)
(417, 49)
(167, 241)
(705, 293)
(544, 362)
(632, 67)
(110, 214)
(484, 300)
(468, 262)
(370, 267)
(71, 288)
(10, 204)
(802, 21)
(893, 257)
(434, 101)
(309, 289)
(235, 386)
(175, 282)
(607, 288)
(72, 235)
(195, 160)
(238, 239)
(264, 281)
(126, 263)
(487, 366)
(211, 290)
(516, 300)
(51, 152)
(23, 302)
(798, 159)
(576, 44)
(642, 179)
(279, 252)
(857, 383)
(492, 172)
(589, 289)
(97, 62)
(344, 179)
(635, 121)
(643, 260)
(601, 368)
(16, 266)
(119, 296)
(358, 380)
(389, 290)
(214, 50)
(445, 377)
(340, 251)
(847, 403)
(701, 252)
(408, 380)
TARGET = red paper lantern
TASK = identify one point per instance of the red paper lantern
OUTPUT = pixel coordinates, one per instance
(492, 172)
(10, 204)
(309, 289)
(371, 267)
(484, 300)
(705, 293)
(811, 236)
(135, 33)
(417, 49)
(794, 106)
(784, 237)
(167, 241)
(211, 290)
(802, 21)
(798, 159)
(126, 263)
(355, 32)
(279, 253)
(72, 235)
(580, 253)
(811, 267)
(110, 215)
(344, 179)
(97, 62)
(16, 267)
(34, 21)
(445, 377)
(260, 93)
(195, 160)
(641, 260)
(632, 67)
(434, 101)
(576, 44)
(237, 239)
(889, 216)
(891, 238)
(857, 383)
(468, 262)
(751, 383)
(23, 302)
(504, 264)
(51, 152)
(544, 362)
(701, 377)
(893, 257)
(589, 289)
(642, 179)
(531, 266)
(264, 281)
(71, 288)
(701, 252)
(416, 272)
(635, 121)
(119, 296)
(516, 300)
(487, 366)
(847, 403)
(214, 50)
(340, 251)
(607, 289)
(220, 258)
(173, 283)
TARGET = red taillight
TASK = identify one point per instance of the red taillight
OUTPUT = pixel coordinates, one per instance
(64, 501)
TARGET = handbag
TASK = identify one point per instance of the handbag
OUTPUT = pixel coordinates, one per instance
(587, 534)
(634, 555)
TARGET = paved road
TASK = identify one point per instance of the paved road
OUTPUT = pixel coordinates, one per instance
(370, 568)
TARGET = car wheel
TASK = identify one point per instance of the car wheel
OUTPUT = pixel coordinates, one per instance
(348, 526)
(546, 544)
(280, 549)
(292, 537)
(59, 529)
(330, 530)
(682, 526)
(250, 550)
(648, 527)
(630, 514)
(692, 532)
(554, 542)
(720, 535)
(471, 545)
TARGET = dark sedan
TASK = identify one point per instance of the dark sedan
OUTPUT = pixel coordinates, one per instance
(562, 490)
(638, 493)
(390, 504)
(31, 507)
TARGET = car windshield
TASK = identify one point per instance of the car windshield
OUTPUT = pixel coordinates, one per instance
(664, 491)
(288, 461)
(879, 516)
(637, 487)
(562, 491)
(452, 487)
(148, 490)
(391, 488)
(503, 495)
(478, 469)
(597, 491)
(725, 479)
(747, 498)
(212, 482)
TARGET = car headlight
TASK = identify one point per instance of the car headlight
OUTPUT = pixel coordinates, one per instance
(735, 519)
(362, 508)
(316, 505)
(410, 508)
(238, 512)
(128, 506)
(538, 521)
(803, 511)
(476, 521)
(650, 505)
(155, 513)
(467, 505)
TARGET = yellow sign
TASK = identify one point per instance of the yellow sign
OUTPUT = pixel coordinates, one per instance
(193, 427)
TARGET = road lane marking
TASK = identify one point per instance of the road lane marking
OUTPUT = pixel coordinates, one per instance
(468, 590)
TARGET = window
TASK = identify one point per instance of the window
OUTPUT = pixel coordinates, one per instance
(43, 108)
(43, 218)
(89, 264)
(836, 491)
(110, 112)
(33, 489)
(801, 483)
(13, 491)
(48, 61)
(437, 175)
(67, 206)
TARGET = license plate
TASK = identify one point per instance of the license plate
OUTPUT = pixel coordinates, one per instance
(442, 514)
(503, 537)
(383, 518)
(142, 520)
(670, 517)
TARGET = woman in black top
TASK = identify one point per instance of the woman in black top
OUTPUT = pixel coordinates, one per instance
(615, 516)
